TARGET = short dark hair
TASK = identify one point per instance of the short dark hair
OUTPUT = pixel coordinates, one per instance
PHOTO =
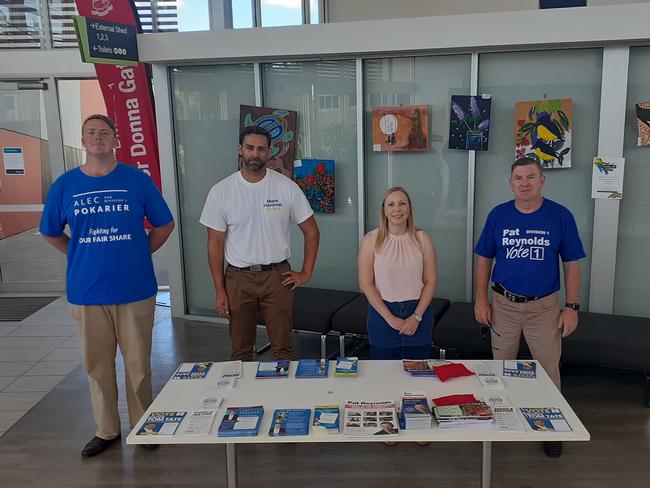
(526, 161)
(255, 129)
(103, 118)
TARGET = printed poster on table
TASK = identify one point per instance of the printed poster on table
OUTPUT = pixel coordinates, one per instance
(403, 128)
(607, 178)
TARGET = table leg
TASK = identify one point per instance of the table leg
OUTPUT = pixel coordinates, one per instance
(231, 465)
(486, 465)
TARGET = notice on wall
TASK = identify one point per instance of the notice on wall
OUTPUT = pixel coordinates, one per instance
(607, 178)
(14, 160)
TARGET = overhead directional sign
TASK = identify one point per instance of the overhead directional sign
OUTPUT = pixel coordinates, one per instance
(103, 42)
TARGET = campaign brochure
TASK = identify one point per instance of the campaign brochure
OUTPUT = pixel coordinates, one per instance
(200, 422)
(416, 411)
(487, 377)
(230, 369)
(346, 366)
(290, 421)
(505, 415)
(326, 420)
(191, 371)
(462, 414)
(519, 369)
(422, 367)
(549, 419)
(161, 423)
(273, 369)
(241, 421)
(312, 368)
(366, 419)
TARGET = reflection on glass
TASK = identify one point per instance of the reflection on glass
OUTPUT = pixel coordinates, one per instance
(281, 12)
(20, 25)
(61, 14)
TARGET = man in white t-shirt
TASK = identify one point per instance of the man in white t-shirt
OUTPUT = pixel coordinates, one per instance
(247, 216)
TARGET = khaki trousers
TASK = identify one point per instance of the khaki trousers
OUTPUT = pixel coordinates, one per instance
(249, 291)
(101, 328)
(538, 321)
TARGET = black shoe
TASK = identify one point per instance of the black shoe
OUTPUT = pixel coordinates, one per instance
(97, 445)
(553, 448)
(149, 447)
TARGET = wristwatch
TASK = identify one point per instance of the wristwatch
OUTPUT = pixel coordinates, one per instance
(418, 317)
(572, 306)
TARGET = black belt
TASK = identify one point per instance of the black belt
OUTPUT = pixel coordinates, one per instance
(513, 297)
(259, 267)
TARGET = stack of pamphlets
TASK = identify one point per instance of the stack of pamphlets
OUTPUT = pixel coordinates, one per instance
(191, 371)
(346, 366)
(370, 418)
(230, 369)
(505, 415)
(422, 367)
(273, 369)
(548, 419)
(312, 368)
(290, 421)
(161, 423)
(487, 376)
(456, 410)
(520, 369)
(200, 421)
(417, 415)
(326, 420)
(241, 421)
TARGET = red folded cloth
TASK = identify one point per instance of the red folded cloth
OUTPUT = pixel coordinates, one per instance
(454, 400)
(452, 370)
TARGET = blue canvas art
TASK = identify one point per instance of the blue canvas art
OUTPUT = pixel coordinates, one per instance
(469, 124)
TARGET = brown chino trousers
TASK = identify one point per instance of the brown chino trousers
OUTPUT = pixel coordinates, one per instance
(249, 290)
(538, 321)
(101, 328)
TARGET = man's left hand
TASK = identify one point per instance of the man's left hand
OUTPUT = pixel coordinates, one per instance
(293, 279)
(568, 322)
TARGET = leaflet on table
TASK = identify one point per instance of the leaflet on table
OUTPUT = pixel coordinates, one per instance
(161, 423)
(290, 421)
(312, 368)
(519, 369)
(210, 403)
(487, 377)
(241, 421)
(548, 419)
(370, 418)
(415, 411)
(505, 415)
(326, 420)
(225, 383)
(273, 369)
(200, 422)
(346, 366)
(230, 369)
(191, 371)
(422, 367)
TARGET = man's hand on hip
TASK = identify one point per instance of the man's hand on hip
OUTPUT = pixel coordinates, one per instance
(222, 303)
(483, 312)
(568, 322)
(293, 279)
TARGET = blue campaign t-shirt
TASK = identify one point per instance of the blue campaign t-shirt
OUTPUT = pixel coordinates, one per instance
(109, 256)
(526, 246)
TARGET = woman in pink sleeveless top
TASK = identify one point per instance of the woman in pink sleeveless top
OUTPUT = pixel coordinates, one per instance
(397, 273)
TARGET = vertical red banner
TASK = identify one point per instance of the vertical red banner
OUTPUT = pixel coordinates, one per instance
(127, 94)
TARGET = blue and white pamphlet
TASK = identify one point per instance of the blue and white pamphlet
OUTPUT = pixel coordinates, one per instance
(312, 368)
(161, 423)
(290, 421)
(241, 421)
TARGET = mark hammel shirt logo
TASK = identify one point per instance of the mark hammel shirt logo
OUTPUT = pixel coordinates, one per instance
(101, 202)
(272, 205)
(530, 246)
(101, 7)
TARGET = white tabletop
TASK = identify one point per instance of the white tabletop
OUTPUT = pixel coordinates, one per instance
(376, 381)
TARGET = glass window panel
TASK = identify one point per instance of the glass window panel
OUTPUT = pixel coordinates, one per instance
(325, 132)
(242, 14)
(510, 77)
(193, 16)
(436, 179)
(20, 24)
(61, 26)
(205, 106)
(631, 286)
(281, 12)
(313, 12)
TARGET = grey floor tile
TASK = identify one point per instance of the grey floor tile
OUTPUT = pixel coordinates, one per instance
(64, 354)
(52, 368)
(44, 331)
(6, 381)
(30, 342)
(71, 342)
(33, 383)
(32, 321)
(23, 354)
(6, 330)
(15, 368)
(20, 401)
(7, 419)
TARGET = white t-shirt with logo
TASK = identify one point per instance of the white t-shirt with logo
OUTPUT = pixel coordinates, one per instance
(255, 217)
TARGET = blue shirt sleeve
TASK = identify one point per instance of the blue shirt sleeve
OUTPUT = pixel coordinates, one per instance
(155, 207)
(571, 248)
(53, 219)
(486, 245)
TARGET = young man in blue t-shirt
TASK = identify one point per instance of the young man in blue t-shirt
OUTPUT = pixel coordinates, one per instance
(110, 279)
(525, 237)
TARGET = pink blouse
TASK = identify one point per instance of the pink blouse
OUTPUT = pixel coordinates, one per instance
(398, 267)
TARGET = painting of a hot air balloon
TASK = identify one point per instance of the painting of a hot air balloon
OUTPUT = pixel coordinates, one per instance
(543, 131)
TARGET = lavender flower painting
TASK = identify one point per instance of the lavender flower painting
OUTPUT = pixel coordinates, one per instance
(469, 124)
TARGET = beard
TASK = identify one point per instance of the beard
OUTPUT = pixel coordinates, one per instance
(254, 165)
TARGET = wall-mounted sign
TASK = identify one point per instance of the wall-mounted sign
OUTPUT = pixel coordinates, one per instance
(102, 42)
(543, 4)
(14, 160)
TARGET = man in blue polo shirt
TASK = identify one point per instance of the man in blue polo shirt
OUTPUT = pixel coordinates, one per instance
(525, 237)
(110, 279)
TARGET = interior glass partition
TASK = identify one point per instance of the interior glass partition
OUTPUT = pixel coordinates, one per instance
(205, 106)
(324, 95)
(631, 286)
(538, 75)
(436, 179)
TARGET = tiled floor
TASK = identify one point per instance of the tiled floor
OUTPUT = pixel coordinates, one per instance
(35, 355)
